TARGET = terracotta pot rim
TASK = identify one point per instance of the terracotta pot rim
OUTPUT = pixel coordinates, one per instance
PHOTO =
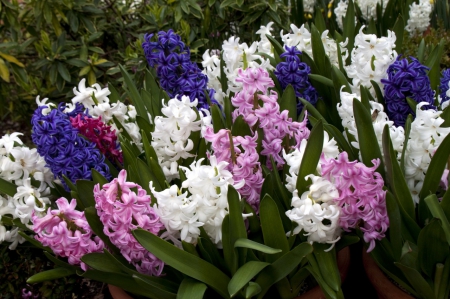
(118, 293)
(381, 283)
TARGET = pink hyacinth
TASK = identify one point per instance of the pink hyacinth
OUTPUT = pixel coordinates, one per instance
(361, 196)
(67, 232)
(263, 111)
(244, 166)
(98, 132)
(122, 210)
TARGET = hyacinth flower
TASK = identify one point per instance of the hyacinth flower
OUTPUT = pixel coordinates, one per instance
(64, 150)
(177, 74)
(242, 158)
(67, 232)
(259, 107)
(122, 207)
(444, 87)
(101, 134)
(406, 80)
(294, 72)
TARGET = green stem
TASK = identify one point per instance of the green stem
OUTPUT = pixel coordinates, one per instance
(233, 154)
(438, 278)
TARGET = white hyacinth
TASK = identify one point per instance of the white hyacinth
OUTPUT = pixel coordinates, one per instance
(370, 58)
(235, 56)
(201, 202)
(369, 8)
(425, 137)
(315, 212)
(379, 120)
(419, 16)
(330, 150)
(301, 38)
(21, 165)
(340, 11)
(171, 138)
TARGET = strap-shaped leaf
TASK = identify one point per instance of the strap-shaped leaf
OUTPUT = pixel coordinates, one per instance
(395, 177)
(395, 226)
(217, 118)
(311, 157)
(135, 96)
(349, 28)
(7, 188)
(433, 247)
(272, 228)
(437, 212)
(436, 168)
(85, 191)
(246, 243)
(319, 54)
(98, 178)
(416, 279)
(191, 289)
(282, 267)
(184, 261)
(237, 225)
(321, 79)
(327, 264)
(243, 275)
(99, 261)
(241, 127)
(367, 137)
(50, 275)
(289, 101)
(252, 289)
(444, 286)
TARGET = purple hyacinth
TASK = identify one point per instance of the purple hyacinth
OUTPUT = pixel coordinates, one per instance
(406, 80)
(177, 74)
(443, 87)
(295, 72)
(64, 150)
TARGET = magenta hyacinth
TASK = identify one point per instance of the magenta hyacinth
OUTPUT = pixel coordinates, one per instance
(67, 232)
(122, 210)
(361, 196)
(263, 111)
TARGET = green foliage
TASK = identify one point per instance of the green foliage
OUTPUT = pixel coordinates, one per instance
(47, 47)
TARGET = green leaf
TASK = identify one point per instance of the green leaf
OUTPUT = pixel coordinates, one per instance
(327, 265)
(237, 225)
(444, 287)
(7, 187)
(98, 178)
(395, 177)
(282, 267)
(319, 54)
(321, 79)
(191, 289)
(437, 212)
(415, 279)
(240, 127)
(183, 261)
(243, 275)
(367, 137)
(395, 229)
(50, 275)
(281, 190)
(272, 228)
(312, 111)
(311, 157)
(433, 247)
(278, 48)
(289, 102)
(252, 289)
(85, 190)
(99, 261)
(217, 118)
(64, 72)
(349, 28)
(135, 97)
(250, 244)
(436, 168)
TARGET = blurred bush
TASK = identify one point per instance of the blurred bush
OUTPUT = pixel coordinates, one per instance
(47, 46)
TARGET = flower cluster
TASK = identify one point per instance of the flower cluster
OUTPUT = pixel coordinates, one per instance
(67, 232)
(369, 8)
(406, 80)
(295, 72)
(122, 210)
(201, 202)
(301, 38)
(98, 132)
(419, 16)
(178, 75)
(370, 59)
(444, 88)
(20, 165)
(242, 158)
(425, 137)
(65, 152)
(171, 138)
(237, 56)
(262, 111)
